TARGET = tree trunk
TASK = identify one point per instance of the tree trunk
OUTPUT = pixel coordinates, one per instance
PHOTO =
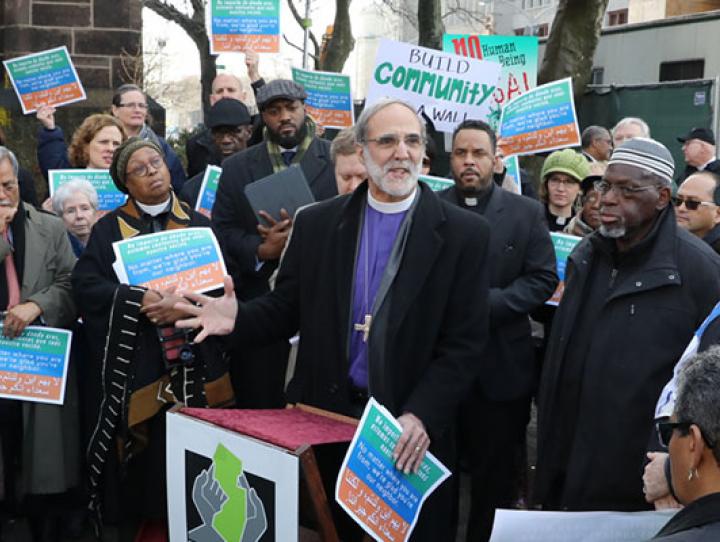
(342, 42)
(571, 46)
(430, 24)
(208, 71)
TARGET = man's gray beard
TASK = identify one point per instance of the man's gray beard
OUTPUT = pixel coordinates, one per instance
(613, 232)
(392, 188)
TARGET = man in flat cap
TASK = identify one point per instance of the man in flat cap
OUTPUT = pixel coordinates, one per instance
(252, 250)
(230, 126)
(698, 146)
(636, 290)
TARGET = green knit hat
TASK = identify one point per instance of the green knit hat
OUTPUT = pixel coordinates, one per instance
(121, 156)
(566, 161)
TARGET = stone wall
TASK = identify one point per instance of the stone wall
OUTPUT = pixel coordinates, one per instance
(96, 32)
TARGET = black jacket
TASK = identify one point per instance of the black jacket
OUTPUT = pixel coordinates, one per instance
(234, 220)
(522, 278)
(713, 166)
(648, 306)
(699, 521)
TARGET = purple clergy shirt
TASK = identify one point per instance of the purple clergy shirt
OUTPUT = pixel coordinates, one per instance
(376, 244)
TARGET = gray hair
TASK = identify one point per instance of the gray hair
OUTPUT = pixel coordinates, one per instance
(69, 189)
(698, 395)
(7, 154)
(637, 122)
(370, 111)
(591, 133)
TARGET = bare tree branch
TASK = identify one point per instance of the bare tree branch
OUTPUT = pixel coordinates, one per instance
(299, 20)
(400, 10)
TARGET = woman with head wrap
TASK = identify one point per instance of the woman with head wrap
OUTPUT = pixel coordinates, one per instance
(137, 348)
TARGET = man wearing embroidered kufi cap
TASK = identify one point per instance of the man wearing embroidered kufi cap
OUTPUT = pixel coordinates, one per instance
(635, 291)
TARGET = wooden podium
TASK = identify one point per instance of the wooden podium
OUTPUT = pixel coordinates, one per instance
(232, 471)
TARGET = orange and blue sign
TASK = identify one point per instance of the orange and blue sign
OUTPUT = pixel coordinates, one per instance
(239, 25)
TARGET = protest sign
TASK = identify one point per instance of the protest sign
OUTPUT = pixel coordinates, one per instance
(208, 189)
(542, 119)
(329, 100)
(564, 245)
(512, 168)
(537, 526)
(188, 259)
(33, 366)
(238, 25)
(446, 87)
(436, 184)
(384, 501)
(518, 56)
(44, 78)
(109, 197)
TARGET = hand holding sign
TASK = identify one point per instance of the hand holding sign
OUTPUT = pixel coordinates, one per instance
(46, 116)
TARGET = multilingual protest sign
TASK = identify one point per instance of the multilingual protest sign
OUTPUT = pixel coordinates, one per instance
(445, 87)
(436, 184)
(383, 500)
(44, 78)
(33, 366)
(208, 189)
(238, 25)
(188, 259)
(518, 56)
(329, 99)
(109, 197)
(564, 245)
(542, 119)
(512, 168)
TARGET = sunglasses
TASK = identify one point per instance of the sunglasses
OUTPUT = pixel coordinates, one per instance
(665, 432)
(690, 204)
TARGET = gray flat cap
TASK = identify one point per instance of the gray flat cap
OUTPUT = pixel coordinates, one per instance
(279, 89)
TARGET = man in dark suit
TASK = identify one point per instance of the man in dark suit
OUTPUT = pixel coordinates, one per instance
(389, 288)
(700, 153)
(252, 250)
(522, 278)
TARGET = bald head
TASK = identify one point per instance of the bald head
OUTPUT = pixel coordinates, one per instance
(226, 85)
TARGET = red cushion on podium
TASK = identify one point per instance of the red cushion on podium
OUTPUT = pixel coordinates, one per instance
(288, 427)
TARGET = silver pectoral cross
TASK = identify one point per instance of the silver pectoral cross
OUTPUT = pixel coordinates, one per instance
(364, 327)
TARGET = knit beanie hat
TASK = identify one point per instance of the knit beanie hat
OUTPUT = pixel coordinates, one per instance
(118, 168)
(566, 161)
(646, 154)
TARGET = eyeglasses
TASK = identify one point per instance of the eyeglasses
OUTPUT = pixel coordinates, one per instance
(557, 181)
(134, 105)
(690, 204)
(622, 190)
(391, 141)
(665, 432)
(142, 171)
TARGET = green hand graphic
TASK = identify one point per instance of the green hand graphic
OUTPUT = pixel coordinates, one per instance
(230, 521)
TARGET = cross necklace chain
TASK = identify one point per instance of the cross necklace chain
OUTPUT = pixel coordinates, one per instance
(364, 327)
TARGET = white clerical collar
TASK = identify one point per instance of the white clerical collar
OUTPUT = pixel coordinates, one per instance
(393, 207)
(283, 149)
(153, 210)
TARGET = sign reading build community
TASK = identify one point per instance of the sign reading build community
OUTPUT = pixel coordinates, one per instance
(329, 100)
(238, 25)
(188, 259)
(381, 499)
(542, 119)
(44, 78)
(109, 197)
(517, 54)
(33, 366)
(446, 87)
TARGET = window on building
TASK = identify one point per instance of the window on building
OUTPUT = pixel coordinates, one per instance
(541, 30)
(617, 17)
(597, 75)
(682, 70)
(519, 31)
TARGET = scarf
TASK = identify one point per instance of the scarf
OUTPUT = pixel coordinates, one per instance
(275, 152)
